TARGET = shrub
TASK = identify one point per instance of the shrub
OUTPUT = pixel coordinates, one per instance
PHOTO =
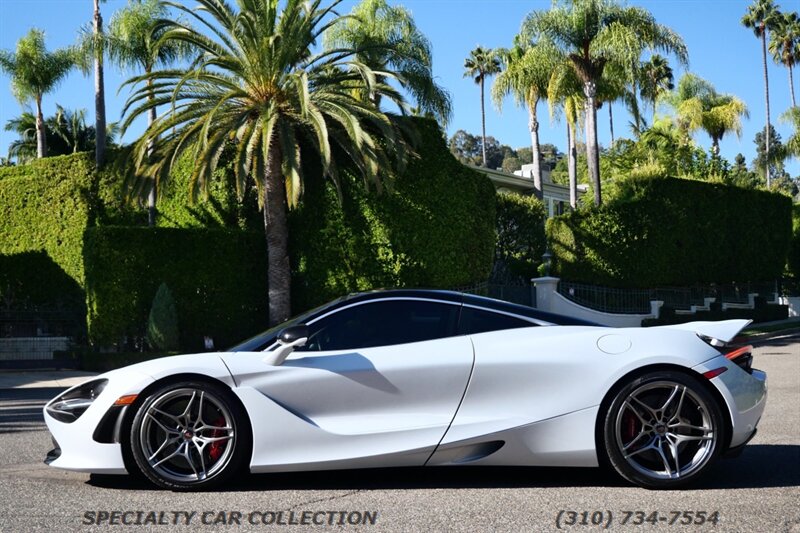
(520, 234)
(674, 232)
(435, 228)
(162, 324)
(793, 258)
(218, 278)
(45, 208)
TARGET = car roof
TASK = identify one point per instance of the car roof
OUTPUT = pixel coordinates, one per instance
(462, 298)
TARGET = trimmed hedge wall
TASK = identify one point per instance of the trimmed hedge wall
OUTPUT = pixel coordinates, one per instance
(435, 229)
(217, 277)
(793, 259)
(668, 231)
(44, 210)
(520, 234)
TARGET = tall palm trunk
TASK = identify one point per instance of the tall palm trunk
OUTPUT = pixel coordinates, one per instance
(766, 94)
(533, 125)
(592, 150)
(277, 231)
(99, 93)
(483, 124)
(151, 196)
(715, 147)
(41, 138)
(791, 83)
(611, 121)
(572, 165)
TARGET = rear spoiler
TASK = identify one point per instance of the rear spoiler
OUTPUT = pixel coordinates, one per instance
(723, 330)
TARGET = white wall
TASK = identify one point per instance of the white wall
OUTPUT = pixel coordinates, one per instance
(548, 299)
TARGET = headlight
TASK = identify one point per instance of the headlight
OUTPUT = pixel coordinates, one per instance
(72, 404)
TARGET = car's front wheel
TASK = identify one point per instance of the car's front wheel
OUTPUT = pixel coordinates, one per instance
(662, 430)
(189, 436)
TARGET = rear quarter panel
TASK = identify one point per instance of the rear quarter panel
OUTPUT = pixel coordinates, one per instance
(528, 375)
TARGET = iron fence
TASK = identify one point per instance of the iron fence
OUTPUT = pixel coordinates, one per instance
(34, 334)
(637, 301)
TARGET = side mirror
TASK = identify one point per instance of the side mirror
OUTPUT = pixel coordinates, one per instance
(288, 339)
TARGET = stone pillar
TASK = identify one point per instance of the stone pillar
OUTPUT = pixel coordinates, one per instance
(655, 308)
(545, 293)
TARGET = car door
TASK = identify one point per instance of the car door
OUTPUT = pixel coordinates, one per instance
(377, 384)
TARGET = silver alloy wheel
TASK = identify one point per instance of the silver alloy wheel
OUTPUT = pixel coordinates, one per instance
(664, 430)
(187, 435)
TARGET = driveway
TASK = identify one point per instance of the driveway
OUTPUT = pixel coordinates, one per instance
(759, 491)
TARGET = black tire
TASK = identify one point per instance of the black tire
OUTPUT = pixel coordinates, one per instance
(662, 430)
(190, 435)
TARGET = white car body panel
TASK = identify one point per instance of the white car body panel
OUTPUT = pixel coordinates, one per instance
(394, 400)
(555, 381)
(724, 330)
(528, 396)
(79, 451)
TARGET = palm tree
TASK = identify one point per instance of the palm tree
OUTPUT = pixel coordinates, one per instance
(784, 45)
(526, 75)
(655, 79)
(262, 86)
(700, 106)
(792, 116)
(564, 91)
(22, 149)
(388, 38)
(594, 33)
(760, 17)
(134, 43)
(481, 63)
(66, 133)
(35, 72)
(99, 89)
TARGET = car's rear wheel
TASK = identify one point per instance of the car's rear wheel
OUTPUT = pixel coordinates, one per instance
(662, 430)
(189, 436)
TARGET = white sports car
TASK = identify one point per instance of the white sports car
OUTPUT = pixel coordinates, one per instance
(412, 378)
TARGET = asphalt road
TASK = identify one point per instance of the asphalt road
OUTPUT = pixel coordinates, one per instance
(757, 492)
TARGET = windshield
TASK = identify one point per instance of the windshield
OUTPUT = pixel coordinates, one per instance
(266, 338)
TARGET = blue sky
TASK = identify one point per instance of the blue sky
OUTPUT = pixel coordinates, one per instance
(720, 50)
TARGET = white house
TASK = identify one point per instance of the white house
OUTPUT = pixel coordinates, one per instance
(555, 196)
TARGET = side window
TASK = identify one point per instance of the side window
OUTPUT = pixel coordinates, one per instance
(383, 323)
(479, 321)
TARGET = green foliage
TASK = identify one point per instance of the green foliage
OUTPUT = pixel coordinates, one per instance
(219, 208)
(434, 229)
(793, 259)
(46, 206)
(520, 234)
(387, 36)
(162, 324)
(674, 232)
(218, 278)
(32, 279)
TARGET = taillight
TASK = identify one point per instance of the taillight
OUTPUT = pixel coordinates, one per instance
(743, 357)
(714, 373)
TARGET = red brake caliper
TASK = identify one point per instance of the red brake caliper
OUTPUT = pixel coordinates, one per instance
(629, 426)
(216, 448)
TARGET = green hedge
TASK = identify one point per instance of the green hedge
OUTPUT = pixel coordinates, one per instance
(45, 207)
(434, 229)
(217, 277)
(674, 232)
(793, 259)
(520, 234)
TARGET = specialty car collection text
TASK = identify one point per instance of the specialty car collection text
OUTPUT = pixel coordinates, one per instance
(229, 518)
